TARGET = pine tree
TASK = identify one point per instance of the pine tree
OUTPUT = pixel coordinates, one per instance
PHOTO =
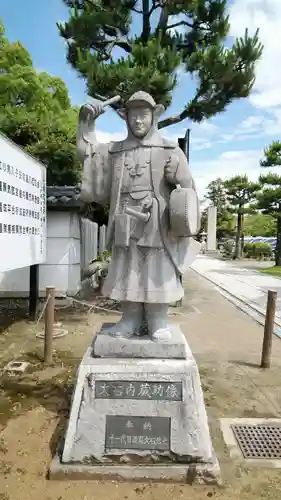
(216, 193)
(240, 194)
(269, 200)
(187, 35)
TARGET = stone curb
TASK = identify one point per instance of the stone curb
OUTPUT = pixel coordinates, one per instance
(254, 312)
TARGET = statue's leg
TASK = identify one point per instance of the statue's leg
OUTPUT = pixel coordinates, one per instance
(131, 321)
(157, 321)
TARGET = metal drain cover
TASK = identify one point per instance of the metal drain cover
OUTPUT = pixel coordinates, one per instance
(259, 441)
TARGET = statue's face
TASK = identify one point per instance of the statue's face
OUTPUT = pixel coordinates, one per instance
(140, 120)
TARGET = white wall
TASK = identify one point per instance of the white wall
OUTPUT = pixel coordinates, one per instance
(62, 266)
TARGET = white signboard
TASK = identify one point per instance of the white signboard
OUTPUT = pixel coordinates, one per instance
(22, 208)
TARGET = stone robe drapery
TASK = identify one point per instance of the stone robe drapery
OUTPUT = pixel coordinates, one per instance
(142, 274)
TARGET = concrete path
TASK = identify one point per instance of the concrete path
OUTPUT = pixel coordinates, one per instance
(246, 288)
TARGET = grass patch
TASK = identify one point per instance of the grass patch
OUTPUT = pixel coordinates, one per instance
(273, 271)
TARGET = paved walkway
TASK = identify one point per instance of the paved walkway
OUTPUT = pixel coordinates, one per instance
(246, 288)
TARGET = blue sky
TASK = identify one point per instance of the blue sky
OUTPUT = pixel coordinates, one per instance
(229, 144)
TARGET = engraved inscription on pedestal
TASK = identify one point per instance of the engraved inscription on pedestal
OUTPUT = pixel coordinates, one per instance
(154, 391)
(139, 433)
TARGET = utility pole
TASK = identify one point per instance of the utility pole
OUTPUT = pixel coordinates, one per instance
(184, 144)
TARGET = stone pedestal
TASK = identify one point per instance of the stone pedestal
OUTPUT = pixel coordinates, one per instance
(212, 229)
(105, 346)
(137, 417)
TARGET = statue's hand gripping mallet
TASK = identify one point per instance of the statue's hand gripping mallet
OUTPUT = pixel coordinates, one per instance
(144, 216)
(97, 108)
(88, 114)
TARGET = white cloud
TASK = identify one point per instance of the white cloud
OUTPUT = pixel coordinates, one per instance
(265, 15)
(252, 123)
(226, 165)
(256, 127)
(227, 137)
(201, 145)
(201, 135)
(208, 127)
(205, 127)
(108, 136)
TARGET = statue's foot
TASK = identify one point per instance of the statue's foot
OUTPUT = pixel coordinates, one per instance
(157, 320)
(161, 335)
(122, 329)
(130, 323)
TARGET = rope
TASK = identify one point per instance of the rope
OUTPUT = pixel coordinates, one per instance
(57, 332)
(18, 354)
(92, 306)
(43, 309)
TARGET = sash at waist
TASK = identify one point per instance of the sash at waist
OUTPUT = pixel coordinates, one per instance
(137, 189)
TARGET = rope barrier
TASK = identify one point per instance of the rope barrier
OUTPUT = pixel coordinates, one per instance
(59, 332)
(92, 306)
(18, 354)
(43, 310)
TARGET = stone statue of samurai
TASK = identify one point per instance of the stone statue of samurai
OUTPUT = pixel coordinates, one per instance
(136, 177)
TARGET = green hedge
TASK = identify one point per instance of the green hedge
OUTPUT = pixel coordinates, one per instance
(228, 248)
(257, 250)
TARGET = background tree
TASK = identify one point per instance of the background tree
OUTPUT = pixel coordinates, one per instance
(225, 219)
(36, 113)
(259, 225)
(272, 155)
(216, 193)
(240, 193)
(103, 46)
(269, 199)
(203, 222)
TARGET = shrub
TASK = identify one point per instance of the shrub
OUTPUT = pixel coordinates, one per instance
(228, 248)
(257, 250)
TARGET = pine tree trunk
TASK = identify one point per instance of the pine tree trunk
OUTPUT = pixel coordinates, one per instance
(242, 236)
(278, 242)
(238, 236)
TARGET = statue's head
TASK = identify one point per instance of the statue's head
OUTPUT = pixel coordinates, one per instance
(141, 113)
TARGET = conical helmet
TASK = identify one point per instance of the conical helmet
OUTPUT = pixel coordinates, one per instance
(140, 97)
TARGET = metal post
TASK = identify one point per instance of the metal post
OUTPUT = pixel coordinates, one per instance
(33, 291)
(184, 144)
(187, 143)
(268, 328)
(49, 324)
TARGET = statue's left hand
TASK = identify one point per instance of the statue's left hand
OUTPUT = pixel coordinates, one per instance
(171, 167)
(146, 205)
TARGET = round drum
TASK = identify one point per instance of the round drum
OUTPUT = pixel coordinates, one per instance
(184, 212)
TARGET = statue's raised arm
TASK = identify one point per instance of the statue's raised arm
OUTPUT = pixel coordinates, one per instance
(96, 172)
(86, 132)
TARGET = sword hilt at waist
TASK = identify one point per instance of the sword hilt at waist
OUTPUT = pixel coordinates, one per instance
(139, 215)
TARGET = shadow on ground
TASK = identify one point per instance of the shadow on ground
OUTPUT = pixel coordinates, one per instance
(246, 364)
(50, 387)
(12, 311)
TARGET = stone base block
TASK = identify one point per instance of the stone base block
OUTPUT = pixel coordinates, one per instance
(208, 474)
(106, 346)
(139, 418)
